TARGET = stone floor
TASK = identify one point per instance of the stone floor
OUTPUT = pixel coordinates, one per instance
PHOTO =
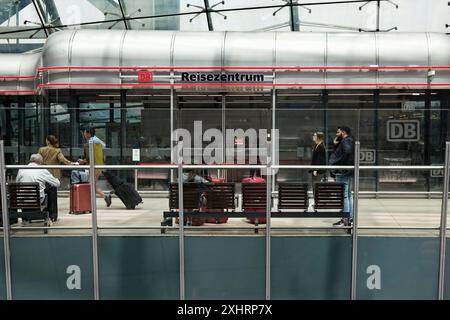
(399, 216)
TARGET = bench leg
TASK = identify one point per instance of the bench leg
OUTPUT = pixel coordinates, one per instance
(256, 224)
(166, 222)
(46, 224)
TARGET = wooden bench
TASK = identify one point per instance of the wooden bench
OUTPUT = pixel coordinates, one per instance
(328, 195)
(13, 217)
(254, 202)
(293, 196)
(200, 196)
(25, 202)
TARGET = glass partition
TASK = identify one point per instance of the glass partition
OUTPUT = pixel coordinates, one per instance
(33, 244)
(399, 209)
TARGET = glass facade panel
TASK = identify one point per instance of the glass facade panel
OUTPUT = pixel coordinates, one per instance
(393, 127)
(254, 20)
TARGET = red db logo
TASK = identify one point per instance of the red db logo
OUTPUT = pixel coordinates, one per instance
(145, 76)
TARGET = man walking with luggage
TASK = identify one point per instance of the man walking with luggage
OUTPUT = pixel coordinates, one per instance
(343, 155)
(89, 134)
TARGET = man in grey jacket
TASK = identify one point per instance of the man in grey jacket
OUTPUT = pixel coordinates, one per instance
(343, 155)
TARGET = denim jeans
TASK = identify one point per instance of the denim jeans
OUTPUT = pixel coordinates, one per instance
(346, 179)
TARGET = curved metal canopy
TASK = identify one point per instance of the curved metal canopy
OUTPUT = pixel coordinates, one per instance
(109, 58)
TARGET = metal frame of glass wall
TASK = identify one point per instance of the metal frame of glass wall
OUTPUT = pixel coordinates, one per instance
(379, 100)
(357, 169)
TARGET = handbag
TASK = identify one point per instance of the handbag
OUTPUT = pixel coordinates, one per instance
(79, 176)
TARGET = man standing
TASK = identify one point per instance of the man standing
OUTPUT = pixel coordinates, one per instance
(343, 155)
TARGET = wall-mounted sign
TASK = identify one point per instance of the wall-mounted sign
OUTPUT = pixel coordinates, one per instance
(221, 77)
(367, 156)
(403, 130)
(145, 76)
(136, 155)
(437, 173)
(409, 105)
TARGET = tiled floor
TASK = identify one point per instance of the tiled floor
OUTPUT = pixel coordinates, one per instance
(374, 215)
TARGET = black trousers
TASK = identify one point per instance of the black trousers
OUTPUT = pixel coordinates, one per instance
(52, 202)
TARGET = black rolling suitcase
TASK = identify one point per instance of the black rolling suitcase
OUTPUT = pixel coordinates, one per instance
(124, 191)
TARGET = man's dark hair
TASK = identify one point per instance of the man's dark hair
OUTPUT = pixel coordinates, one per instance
(90, 129)
(346, 129)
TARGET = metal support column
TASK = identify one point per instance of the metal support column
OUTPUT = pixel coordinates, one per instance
(325, 119)
(94, 220)
(22, 158)
(181, 218)
(355, 221)
(74, 122)
(443, 232)
(223, 173)
(5, 218)
(427, 138)
(171, 127)
(376, 138)
(45, 118)
(273, 142)
(294, 17)
(268, 215)
(123, 124)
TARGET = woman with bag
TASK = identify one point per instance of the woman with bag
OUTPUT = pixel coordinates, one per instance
(318, 158)
(52, 155)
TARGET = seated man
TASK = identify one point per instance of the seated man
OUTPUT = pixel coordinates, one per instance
(191, 176)
(42, 176)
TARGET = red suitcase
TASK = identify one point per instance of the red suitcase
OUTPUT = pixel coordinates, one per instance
(255, 180)
(216, 220)
(194, 221)
(80, 198)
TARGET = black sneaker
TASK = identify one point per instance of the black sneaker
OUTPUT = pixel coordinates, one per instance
(108, 200)
(340, 223)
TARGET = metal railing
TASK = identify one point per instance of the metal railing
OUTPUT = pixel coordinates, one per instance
(180, 167)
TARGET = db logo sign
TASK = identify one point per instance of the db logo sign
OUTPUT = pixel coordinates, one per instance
(145, 76)
(367, 156)
(403, 130)
(437, 173)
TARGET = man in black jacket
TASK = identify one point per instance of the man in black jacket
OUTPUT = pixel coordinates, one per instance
(343, 155)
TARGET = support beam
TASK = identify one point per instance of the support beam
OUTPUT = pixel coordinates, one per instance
(208, 16)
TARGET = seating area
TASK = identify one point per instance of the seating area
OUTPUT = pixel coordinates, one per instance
(384, 215)
(24, 202)
(218, 200)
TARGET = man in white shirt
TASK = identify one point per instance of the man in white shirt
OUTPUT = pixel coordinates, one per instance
(41, 176)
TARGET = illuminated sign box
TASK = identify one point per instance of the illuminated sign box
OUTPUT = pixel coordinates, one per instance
(145, 76)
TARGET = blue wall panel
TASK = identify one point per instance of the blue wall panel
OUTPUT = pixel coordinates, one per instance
(447, 271)
(2, 271)
(139, 267)
(311, 267)
(39, 267)
(409, 267)
(226, 267)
